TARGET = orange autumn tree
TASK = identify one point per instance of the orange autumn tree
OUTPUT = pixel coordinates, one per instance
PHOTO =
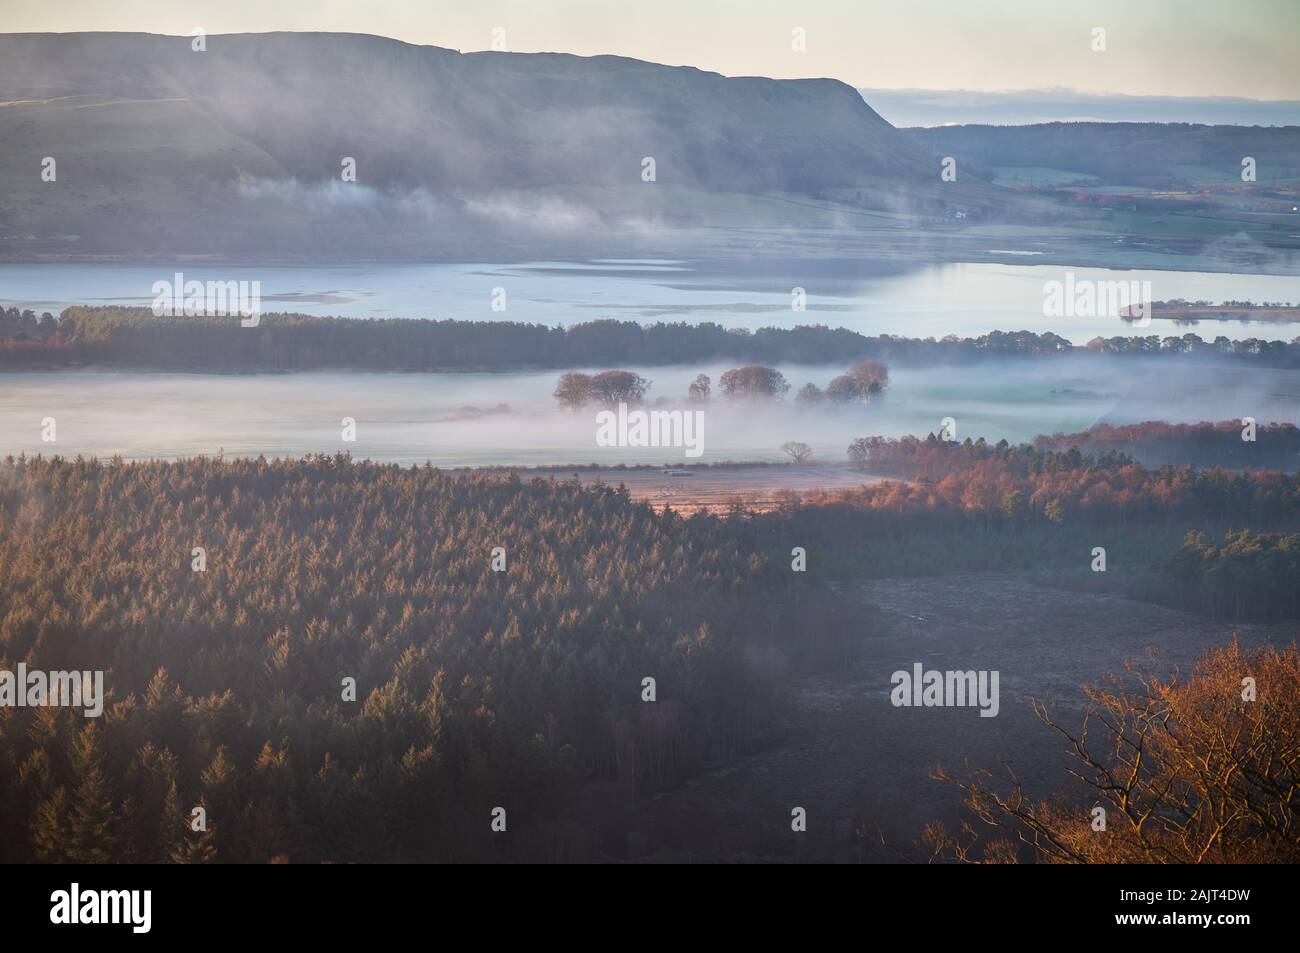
(1202, 770)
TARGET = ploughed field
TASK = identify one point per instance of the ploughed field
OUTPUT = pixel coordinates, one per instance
(860, 766)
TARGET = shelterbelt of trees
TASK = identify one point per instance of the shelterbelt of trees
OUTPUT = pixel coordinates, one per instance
(1273, 445)
(978, 481)
(1226, 442)
(135, 337)
(973, 506)
(475, 688)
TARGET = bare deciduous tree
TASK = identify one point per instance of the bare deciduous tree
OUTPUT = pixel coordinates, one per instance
(796, 451)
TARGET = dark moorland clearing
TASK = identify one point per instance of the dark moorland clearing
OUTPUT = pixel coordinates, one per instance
(860, 767)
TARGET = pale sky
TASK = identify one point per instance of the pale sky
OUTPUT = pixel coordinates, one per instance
(1153, 47)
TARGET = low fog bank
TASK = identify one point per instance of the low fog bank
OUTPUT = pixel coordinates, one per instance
(512, 418)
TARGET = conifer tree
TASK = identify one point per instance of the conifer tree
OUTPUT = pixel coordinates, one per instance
(50, 830)
(93, 820)
(196, 847)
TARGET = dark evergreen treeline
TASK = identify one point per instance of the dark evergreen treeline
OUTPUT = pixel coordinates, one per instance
(135, 337)
(1247, 575)
(475, 688)
(24, 325)
(933, 459)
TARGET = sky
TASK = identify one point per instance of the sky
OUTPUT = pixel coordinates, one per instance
(1245, 48)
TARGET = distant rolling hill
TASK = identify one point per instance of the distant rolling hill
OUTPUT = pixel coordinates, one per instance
(161, 149)
(1145, 155)
(236, 153)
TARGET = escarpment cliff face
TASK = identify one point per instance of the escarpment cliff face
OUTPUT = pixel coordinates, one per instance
(159, 147)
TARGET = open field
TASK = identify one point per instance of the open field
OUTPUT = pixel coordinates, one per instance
(856, 763)
(757, 487)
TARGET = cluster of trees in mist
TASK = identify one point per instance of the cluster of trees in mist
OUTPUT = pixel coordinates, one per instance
(135, 337)
(862, 382)
(474, 688)
(608, 388)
